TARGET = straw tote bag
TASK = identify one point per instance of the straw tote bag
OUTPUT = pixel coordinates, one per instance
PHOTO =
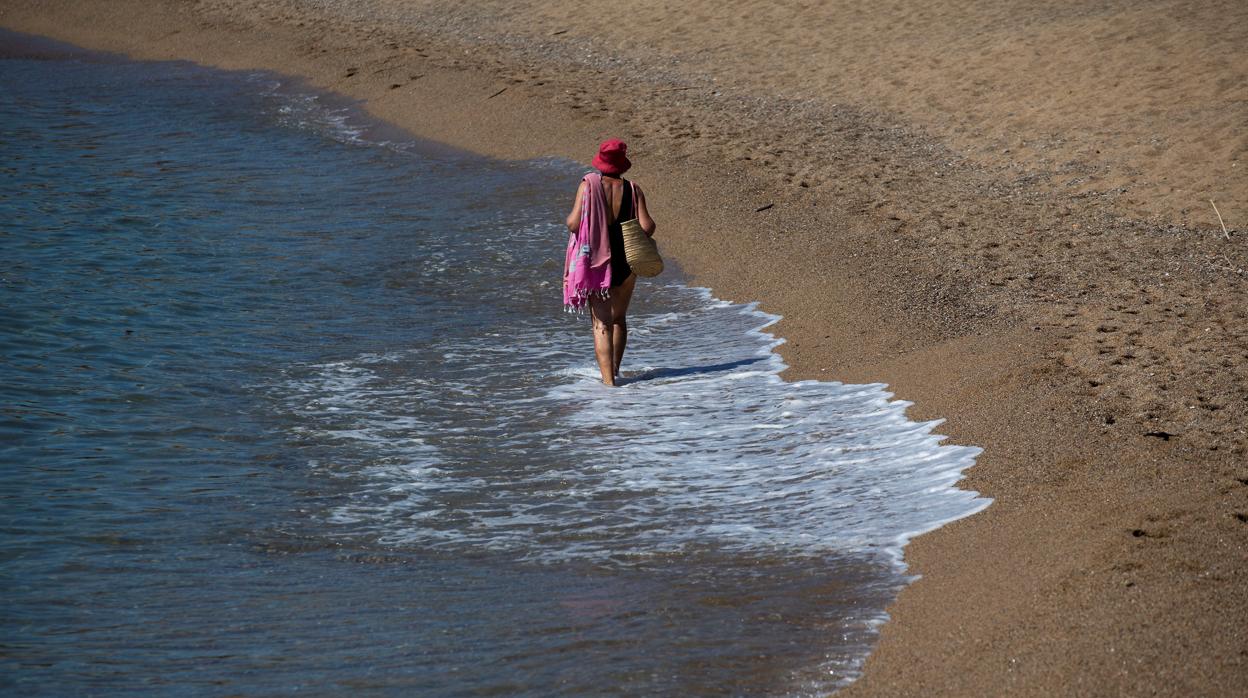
(639, 249)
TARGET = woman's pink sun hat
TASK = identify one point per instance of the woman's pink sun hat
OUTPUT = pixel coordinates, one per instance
(612, 157)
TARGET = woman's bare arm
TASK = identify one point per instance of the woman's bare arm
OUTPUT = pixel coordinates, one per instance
(643, 214)
(574, 218)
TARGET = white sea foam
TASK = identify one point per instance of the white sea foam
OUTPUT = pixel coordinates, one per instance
(704, 446)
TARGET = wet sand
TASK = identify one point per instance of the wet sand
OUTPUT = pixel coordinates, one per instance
(1000, 209)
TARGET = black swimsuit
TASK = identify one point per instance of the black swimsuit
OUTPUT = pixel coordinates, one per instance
(620, 271)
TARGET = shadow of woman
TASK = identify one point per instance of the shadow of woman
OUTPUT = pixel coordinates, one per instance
(660, 373)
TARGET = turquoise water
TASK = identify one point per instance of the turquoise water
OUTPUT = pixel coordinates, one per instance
(289, 405)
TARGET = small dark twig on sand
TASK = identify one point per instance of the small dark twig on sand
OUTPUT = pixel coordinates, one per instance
(561, 31)
(677, 89)
(497, 93)
(763, 208)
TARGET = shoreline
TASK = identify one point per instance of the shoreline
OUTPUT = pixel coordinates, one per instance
(1111, 559)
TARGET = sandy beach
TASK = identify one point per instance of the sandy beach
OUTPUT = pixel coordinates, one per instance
(1003, 210)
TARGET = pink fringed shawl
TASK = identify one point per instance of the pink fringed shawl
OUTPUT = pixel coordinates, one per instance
(587, 264)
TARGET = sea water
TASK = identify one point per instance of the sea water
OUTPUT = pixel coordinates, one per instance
(288, 405)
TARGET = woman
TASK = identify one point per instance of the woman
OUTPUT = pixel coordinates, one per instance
(595, 271)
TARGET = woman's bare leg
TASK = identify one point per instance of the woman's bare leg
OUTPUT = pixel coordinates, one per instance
(600, 310)
(620, 296)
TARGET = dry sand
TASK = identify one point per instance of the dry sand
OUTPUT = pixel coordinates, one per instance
(1002, 208)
